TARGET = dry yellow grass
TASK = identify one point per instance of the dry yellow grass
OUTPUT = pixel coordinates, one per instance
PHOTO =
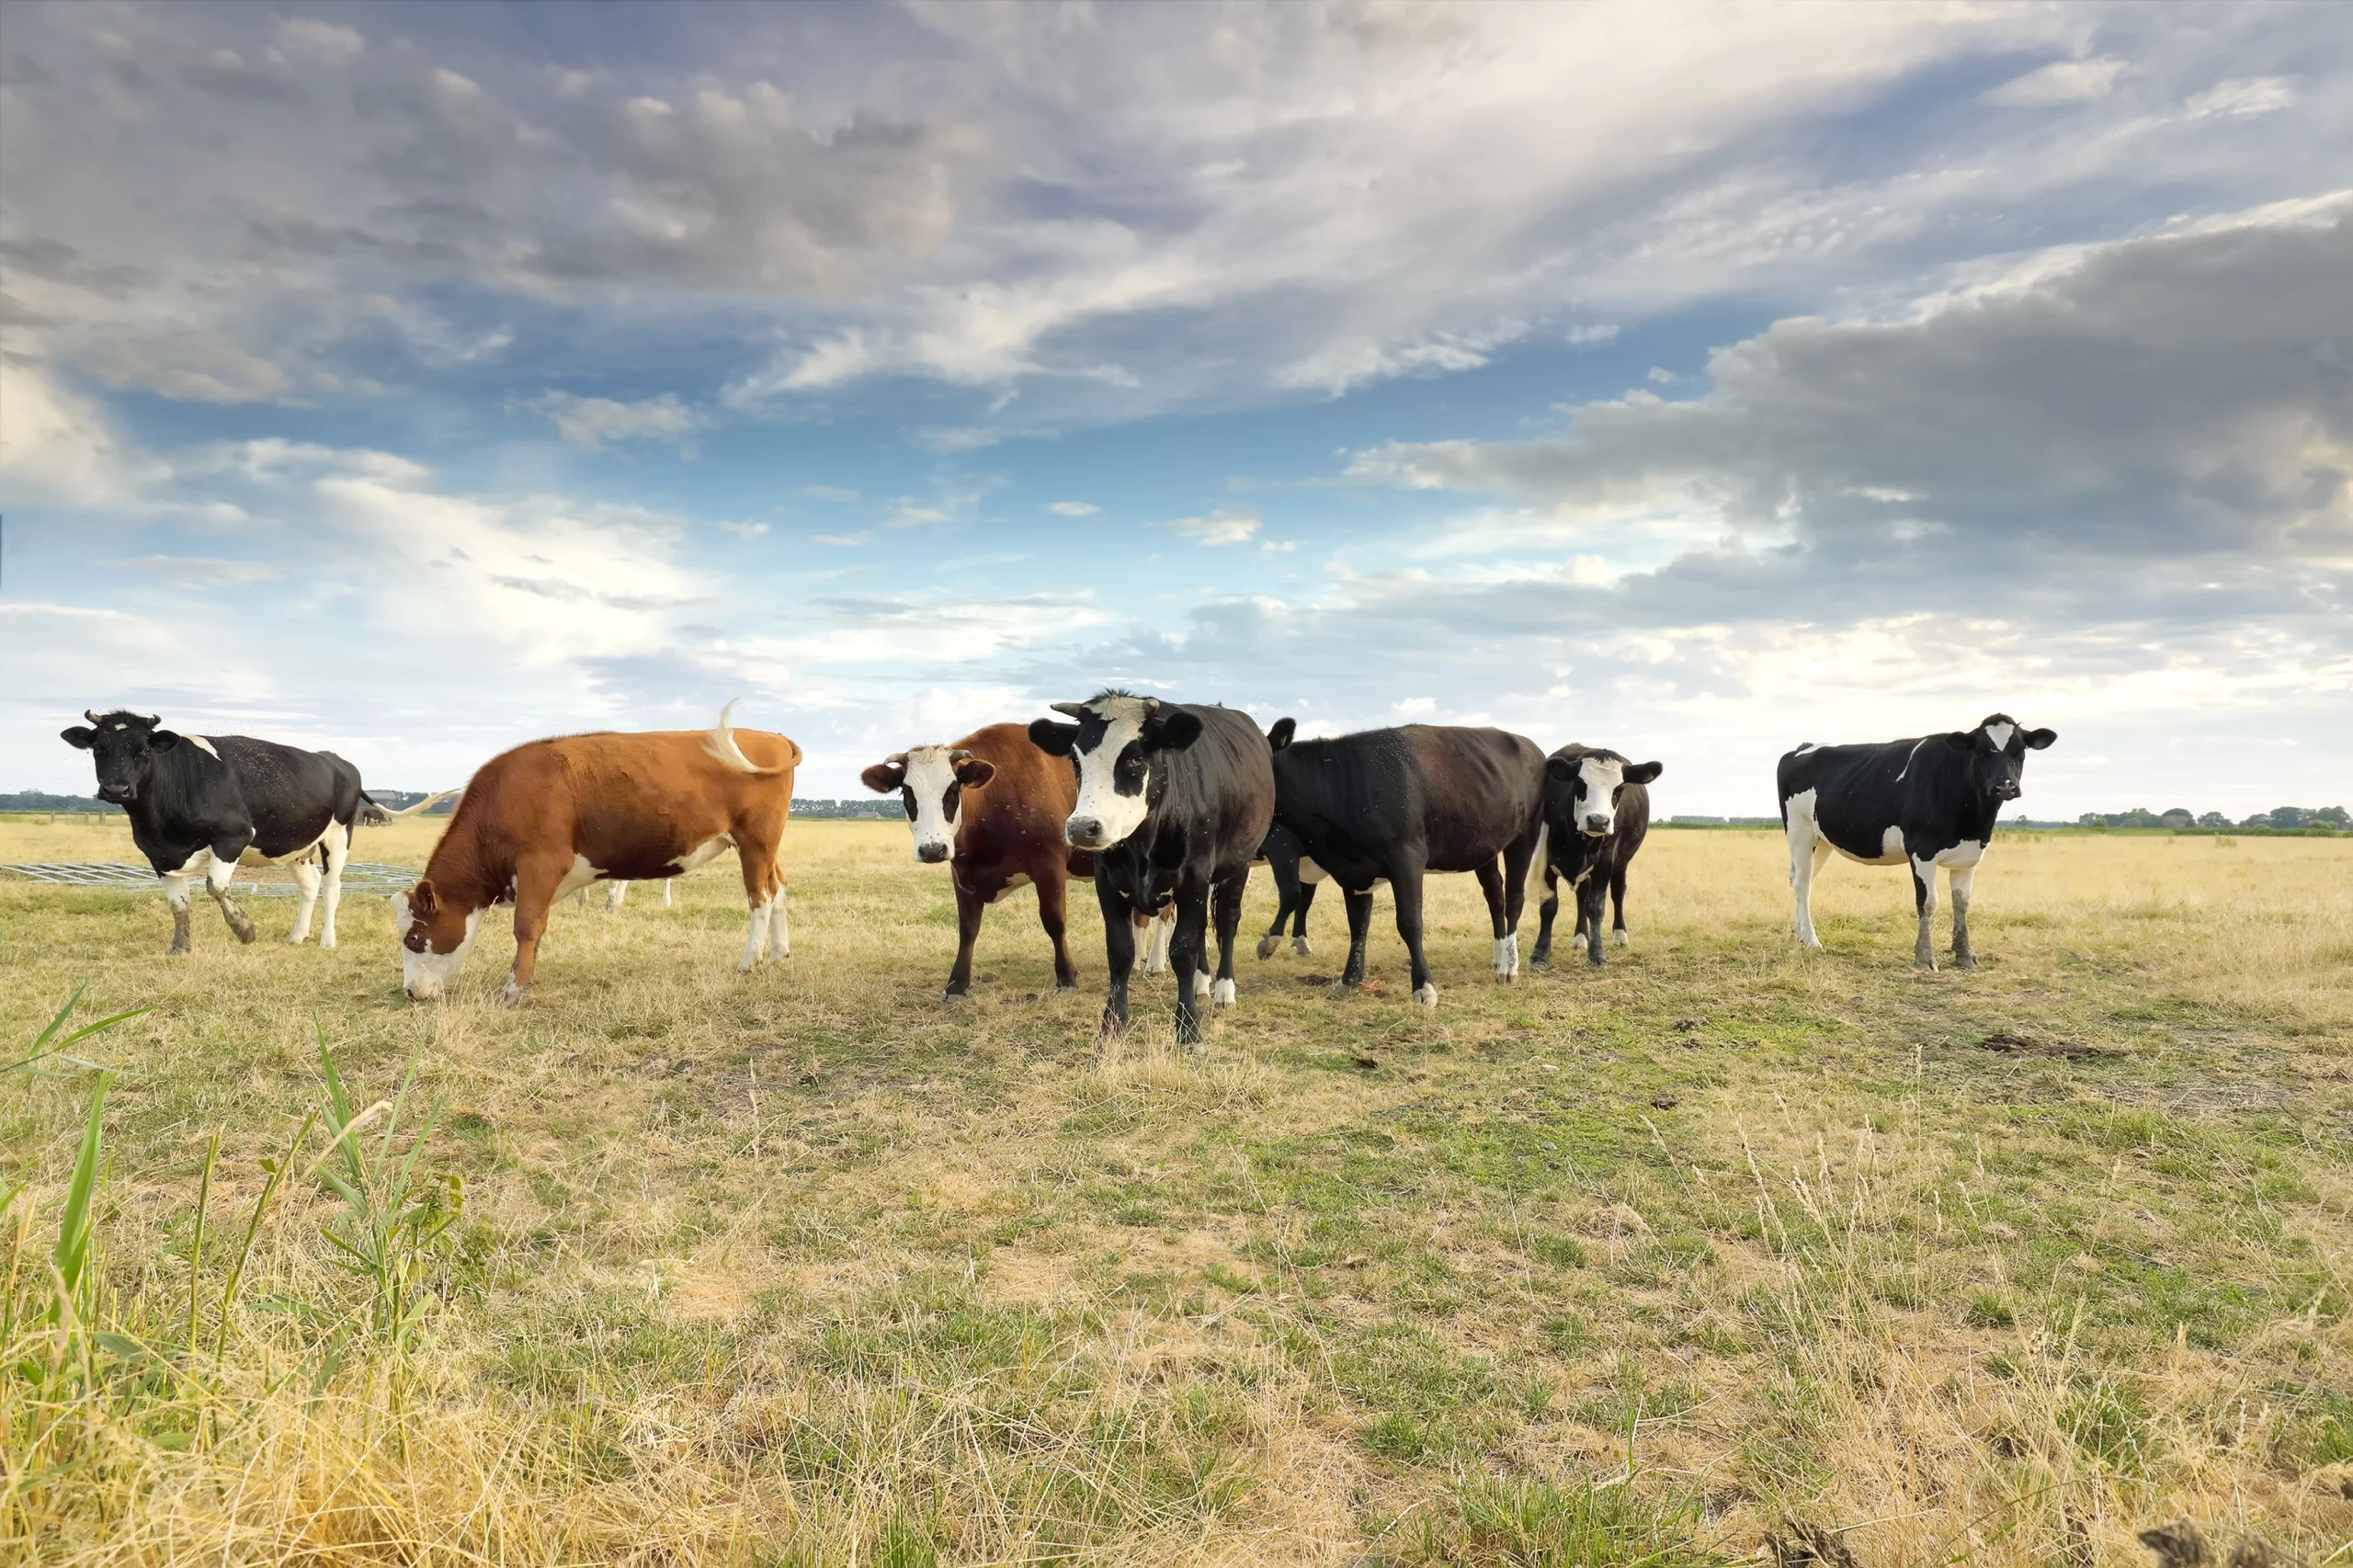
(805, 1267)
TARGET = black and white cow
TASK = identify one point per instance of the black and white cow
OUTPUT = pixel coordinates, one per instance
(1596, 814)
(202, 805)
(1925, 803)
(1397, 803)
(1296, 879)
(1174, 800)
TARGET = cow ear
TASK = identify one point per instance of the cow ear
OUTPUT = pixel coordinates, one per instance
(2038, 739)
(1055, 740)
(422, 900)
(1560, 769)
(884, 777)
(1279, 736)
(162, 740)
(79, 737)
(1173, 729)
(1962, 739)
(974, 771)
(1644, 772)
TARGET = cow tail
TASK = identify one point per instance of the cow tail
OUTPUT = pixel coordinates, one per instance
(377, 816)
(721, 744)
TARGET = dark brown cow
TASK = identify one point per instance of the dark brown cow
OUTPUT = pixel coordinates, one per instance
(552, 816)
(993, 806)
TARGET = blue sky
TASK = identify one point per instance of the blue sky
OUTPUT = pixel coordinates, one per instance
(416, 379)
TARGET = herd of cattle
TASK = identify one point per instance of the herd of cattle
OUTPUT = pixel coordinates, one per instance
(1166, 806)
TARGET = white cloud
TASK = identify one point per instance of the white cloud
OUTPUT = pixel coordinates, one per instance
(204, 571)
(957, 438)
(2243, 98)
(320, 40)
(2060, 82)
(1227, 525)
(840, 541)
(1072, 508)
(746, 531)
(593, 421)
(828, 493)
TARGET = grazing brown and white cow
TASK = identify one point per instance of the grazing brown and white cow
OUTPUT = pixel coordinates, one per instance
(552, 816)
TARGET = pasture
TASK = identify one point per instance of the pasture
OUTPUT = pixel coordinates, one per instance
(804, 1266)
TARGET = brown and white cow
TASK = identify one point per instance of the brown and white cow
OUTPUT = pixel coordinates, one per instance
(992, 807)
(552, 816)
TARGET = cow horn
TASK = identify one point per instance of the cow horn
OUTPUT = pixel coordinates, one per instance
(960, 755)
(153, 720)
(1075, 710)
(93, 718)
(896, 759)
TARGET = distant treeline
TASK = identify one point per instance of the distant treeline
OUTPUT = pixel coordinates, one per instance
(821, 811)
(2278, 819)
(35, 800)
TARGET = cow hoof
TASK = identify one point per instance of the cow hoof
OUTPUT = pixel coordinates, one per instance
(180, 950)
(951, 994)
(1267, 946)
(1594, 960)
(1221, 994)
(1927, 963)
(1964, 960)
(326, 944)
(1302, 946)
(1426, 994)
(513, 995)
(1064, 987)
(246, 932)
(1619, 939)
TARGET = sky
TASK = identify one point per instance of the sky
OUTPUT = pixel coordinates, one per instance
(416, 379)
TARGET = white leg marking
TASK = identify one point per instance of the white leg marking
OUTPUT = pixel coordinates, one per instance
(176, 889)
(757, 938)
(1156, 941)
(665, 893)
(1804, 860)
(780, 931)
(614, 894)
(306, 879)
(1201, 987)
(1427, 993)
(1621, 938)
(1221, 994)
(1301, 946)
(338, 849)
(1508, 958)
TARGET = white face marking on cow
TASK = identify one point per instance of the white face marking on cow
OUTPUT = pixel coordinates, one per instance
(204, 745)
(931, 777)
(429, 975)
(1596, 806)
(1113, 815)
(2000, 736)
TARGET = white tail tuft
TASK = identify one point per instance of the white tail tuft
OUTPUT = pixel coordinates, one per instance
(721, 744)
(390, 815)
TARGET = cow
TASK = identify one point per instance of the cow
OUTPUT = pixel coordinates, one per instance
(1174, 801)
(1399, 802)
(552, 816)
(1925, 803)
(203, 805)
(615, 891)
(1596, 813)
(1296, 879)
(992, 808)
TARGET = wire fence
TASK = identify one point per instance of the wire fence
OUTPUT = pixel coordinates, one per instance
(358, 877)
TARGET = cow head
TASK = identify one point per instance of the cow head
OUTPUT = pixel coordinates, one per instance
(435, 936)
(1582, 791)
(1996, 751)
(1117, 741)
(931, 780)
(125, 747)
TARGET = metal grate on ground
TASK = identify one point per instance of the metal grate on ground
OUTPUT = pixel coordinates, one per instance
(358, 877)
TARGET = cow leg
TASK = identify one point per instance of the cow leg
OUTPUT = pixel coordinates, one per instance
(306, 898)
(616, 892)
(1188, 946)
(217, 878)
(1924, 899)
(666, 904)
(176, 894)
(1118, 955)
(1520, 857)
(1226, 912)
(535, 882)
(1405, 885)
(1805, 860)
(969, 905)
(1961, 878)
(780, 923)
(1053, 883)
(1618, 908)
(1590, 892)
(1157, 928)
(1359, 907)
(764, 891)
(339, 853)
(1288, 899)
(1543, 956)
(1491, 883)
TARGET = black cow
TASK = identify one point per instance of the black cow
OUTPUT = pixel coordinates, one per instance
(1396, 803)
(1596, 814)
(1174, 800)
(1925, 803)
(1296, 878)
(204, 804)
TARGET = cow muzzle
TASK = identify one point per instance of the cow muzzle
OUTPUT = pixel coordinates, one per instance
(1083, 833)
(2006, 791)
(931, 854)
(116, 794)
(1597, 827)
